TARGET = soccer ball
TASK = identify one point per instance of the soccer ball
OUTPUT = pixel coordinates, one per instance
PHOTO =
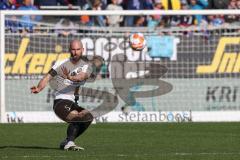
(137, 41)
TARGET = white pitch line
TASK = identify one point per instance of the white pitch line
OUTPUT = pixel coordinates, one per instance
(207, 153)
(129, 155)
(26, 156)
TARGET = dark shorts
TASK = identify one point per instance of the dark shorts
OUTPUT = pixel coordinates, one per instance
(63, 107)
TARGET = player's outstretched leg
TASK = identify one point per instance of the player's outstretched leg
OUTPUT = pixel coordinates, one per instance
(73, 131)
(78, 123)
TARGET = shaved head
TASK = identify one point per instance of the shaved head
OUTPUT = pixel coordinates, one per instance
(76, 42)
(76, 50)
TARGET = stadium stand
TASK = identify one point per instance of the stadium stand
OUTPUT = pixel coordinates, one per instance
(128, 21)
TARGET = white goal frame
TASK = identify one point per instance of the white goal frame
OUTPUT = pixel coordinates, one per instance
(4, 13)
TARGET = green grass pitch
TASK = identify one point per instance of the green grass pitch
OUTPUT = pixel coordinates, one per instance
(129, 141)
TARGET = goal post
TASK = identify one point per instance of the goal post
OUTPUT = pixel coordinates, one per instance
(197, 81)
(2, 55)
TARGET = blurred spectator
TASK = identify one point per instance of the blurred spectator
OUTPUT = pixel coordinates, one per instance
(50, 2)
(12, 24)
(85, 20)
(8, 5)
(11, 21)
(27, 22)
(198, 5)
(148, 4)
(140, 21)
(238, 4)
(19, 3)
(114, 21)
(158, 6)
(132, 5)
(232, 18)
(232, 4)
(154, 20)
(183, 21)
(120, 2)
(80, 3)
(97, 20)
(104, 4)
(218, 4)
(170, 4)
(186, 20)
(65, 27)
(215, 20)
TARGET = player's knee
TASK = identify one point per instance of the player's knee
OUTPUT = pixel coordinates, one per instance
(89, 116)
(73, 114)
(83, 116)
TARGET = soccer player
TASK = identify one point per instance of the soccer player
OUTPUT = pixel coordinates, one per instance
(68, 75)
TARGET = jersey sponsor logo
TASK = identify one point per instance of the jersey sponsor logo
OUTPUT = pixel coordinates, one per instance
(76, 71)
(223, 62)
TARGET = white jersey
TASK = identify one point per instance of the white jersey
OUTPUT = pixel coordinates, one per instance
(64, 88)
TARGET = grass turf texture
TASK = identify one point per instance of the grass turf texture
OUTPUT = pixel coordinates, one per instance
(139, 141)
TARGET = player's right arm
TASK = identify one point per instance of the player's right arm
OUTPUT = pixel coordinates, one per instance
(42, 84)
(44, 81)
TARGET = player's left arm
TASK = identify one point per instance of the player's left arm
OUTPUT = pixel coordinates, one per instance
(79, 77)
(82, 76)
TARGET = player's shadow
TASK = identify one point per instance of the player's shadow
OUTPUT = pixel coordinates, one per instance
(29, 147)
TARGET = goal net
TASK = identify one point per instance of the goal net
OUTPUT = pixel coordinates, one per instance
(187, 71)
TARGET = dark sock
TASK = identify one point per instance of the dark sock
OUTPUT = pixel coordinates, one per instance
(72, 131)
(75, 129)
(83, 127)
